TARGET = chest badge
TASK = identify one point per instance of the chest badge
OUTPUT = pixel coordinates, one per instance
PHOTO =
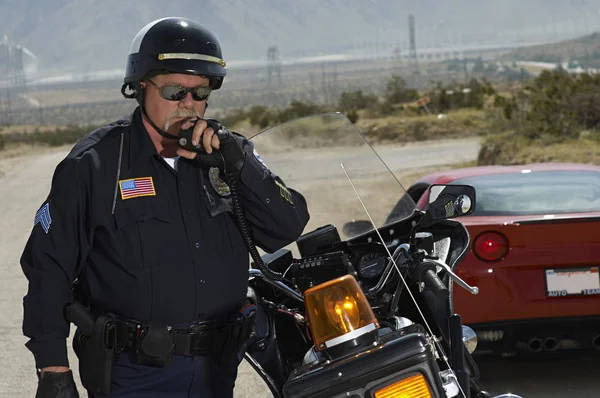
(136, 187)
(217, 183)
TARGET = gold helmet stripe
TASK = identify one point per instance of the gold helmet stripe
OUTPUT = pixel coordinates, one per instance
(199, 57)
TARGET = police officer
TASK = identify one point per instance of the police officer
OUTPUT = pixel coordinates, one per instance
(148, 232)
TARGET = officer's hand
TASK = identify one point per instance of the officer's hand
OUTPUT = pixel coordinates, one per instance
(202, 133)
(57, 385)
(213, 135)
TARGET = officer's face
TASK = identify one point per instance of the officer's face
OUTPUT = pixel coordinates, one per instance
(171, 114)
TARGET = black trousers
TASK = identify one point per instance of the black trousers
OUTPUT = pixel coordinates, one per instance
(201, 377)
(184, 377)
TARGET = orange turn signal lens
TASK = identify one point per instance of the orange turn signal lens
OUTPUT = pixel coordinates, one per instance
(411, 387)
(338, 310)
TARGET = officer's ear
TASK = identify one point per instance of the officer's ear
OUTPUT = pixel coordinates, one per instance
(139, 88)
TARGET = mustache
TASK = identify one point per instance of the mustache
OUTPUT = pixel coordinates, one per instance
(179, 114)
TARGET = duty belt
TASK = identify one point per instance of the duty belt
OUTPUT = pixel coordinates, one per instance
(197, 340)
(202, 339)
(154, 344)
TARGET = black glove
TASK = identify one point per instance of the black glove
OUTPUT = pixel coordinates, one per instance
(229, 158)
(57, 385)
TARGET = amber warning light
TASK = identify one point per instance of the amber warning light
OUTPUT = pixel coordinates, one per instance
(411, 387)
(338, 312)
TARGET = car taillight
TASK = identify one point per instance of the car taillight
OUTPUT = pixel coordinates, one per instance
(490, 246)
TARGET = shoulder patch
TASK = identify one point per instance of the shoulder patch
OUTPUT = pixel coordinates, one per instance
(43, 218)
(285, 194)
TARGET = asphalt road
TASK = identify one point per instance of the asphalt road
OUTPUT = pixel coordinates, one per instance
(553, 375)
(23, 189)
(308, 164)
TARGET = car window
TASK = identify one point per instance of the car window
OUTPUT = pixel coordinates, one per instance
(542, 192)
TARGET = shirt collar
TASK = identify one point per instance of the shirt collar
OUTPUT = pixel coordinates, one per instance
(140, 144)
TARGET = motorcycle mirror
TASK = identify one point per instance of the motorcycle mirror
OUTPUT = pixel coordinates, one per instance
(449, 201)
(469, 338)
(356, 227)
(446, 201)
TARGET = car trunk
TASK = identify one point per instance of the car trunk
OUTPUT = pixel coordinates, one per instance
(516, 286)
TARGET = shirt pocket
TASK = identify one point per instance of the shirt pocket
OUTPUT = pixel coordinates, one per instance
(143, 229)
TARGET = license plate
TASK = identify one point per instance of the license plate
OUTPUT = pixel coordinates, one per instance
(582, 281)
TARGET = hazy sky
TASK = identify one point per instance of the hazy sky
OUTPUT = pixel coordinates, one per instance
(75, 35)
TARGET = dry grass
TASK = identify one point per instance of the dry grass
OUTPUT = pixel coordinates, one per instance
(245, 128)
(401, 128)
(576, 151)
(27, 129)
(512, 148)
(395, 128)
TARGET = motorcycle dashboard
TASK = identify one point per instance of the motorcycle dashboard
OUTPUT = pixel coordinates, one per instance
(363, 256)
(370, 260)
(367, 261)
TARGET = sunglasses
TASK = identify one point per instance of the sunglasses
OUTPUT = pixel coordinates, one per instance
(177, 93)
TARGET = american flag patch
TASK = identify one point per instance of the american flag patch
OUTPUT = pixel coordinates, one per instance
(43, 218)
(136, 187)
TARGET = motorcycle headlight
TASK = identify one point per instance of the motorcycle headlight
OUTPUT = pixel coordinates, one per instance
(338, 311)
(410, 387)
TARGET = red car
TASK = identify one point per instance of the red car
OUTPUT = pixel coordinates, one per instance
(535, 255)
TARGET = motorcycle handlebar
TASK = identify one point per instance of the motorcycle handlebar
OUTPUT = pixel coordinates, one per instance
(432, 281)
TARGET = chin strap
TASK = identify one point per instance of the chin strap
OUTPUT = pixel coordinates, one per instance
(158, 129)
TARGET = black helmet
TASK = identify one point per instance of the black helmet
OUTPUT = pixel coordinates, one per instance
(175, 45)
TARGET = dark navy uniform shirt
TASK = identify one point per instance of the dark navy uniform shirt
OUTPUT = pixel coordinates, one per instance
(145, 241)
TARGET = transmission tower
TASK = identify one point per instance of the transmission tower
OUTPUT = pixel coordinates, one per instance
(273, 63)
(334, 82)
(398, 56)
(413, 45)
(12, 78)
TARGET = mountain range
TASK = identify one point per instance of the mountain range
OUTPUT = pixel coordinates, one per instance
(69, 36)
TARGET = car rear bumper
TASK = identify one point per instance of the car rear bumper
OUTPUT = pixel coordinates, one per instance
(513, 292)
(538, 335)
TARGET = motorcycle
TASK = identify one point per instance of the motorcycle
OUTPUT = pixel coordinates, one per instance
(365, 311)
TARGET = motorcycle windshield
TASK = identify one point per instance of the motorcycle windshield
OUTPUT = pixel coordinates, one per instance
(308, 154)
